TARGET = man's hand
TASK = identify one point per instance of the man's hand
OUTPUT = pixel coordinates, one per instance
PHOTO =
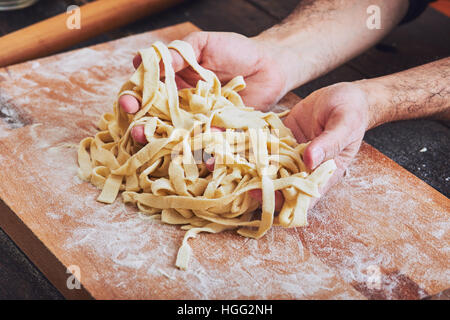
(334, 119)
(228, 55)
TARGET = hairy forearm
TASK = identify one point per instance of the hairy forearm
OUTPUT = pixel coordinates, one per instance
(323, 34)
(415, 93)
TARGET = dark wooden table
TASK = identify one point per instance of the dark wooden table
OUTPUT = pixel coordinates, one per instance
(421, 41)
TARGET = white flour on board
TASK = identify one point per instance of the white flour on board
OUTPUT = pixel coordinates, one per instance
(291, 263)
(122, 238)
(387, 217)
(113, 233)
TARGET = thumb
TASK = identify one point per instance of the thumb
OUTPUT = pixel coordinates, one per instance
(198, 41)
(178, 62)
(330, 143)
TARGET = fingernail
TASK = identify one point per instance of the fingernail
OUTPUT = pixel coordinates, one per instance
(129, 104)
(279, 201)
(217, 129)
(138, 134)
(210, 163)
(318, 156)
(256, 194)
(137, 60)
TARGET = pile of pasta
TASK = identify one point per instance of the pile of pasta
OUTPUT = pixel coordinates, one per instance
(167, 178)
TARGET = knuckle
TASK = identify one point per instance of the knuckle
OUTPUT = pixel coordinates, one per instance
(196, 36)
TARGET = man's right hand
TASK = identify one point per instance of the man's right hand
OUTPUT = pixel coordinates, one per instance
(263, 66)
(334, 119)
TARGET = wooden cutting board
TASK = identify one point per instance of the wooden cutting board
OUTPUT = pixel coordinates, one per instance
(380, 233)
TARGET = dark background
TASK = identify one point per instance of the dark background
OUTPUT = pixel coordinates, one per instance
(423, 40)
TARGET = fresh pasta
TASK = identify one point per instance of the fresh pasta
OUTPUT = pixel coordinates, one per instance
(167, 178)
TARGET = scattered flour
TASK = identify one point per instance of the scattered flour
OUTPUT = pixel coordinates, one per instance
(369, 219)
(53, 215)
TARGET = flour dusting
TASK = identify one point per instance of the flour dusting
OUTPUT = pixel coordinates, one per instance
(370, 219)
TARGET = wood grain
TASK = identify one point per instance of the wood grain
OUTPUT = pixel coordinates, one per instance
(379, 217)
(52, 35)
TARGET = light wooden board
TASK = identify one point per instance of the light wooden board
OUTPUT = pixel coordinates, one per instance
(379, 233)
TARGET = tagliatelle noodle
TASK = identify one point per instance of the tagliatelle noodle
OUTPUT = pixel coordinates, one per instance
(167, 179)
